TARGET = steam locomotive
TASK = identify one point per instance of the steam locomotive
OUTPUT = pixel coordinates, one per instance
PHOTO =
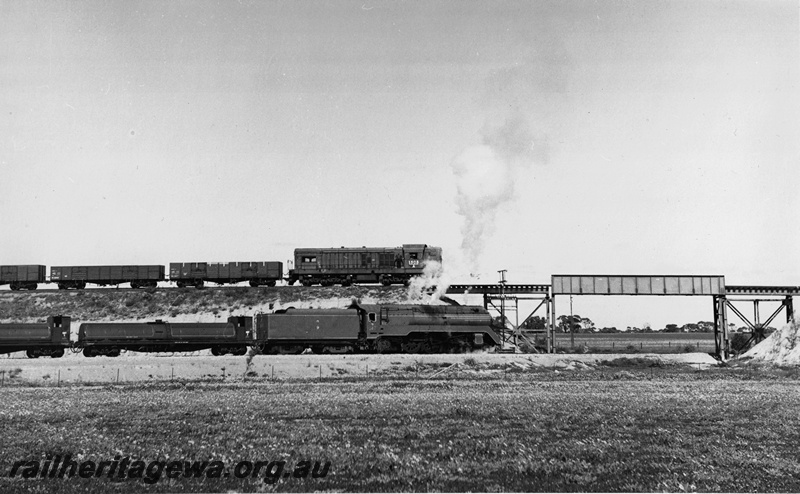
(312, 266)
(362, 328)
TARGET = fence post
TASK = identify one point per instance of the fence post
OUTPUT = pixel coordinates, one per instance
(59, 378)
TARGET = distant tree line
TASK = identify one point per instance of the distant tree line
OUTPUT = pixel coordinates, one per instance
(566, 323)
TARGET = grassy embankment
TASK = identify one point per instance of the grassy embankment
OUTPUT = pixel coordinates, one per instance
(175, 304)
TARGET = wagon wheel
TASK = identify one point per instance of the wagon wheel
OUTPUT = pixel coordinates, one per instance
(31, 354)
(254, 283)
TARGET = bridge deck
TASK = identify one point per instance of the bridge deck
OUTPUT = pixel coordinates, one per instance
(496, 289)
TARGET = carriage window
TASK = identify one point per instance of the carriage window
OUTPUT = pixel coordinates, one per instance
(310, 259)
(414, 255)
(372, 317)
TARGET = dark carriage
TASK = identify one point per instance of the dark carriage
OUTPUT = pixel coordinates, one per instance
(110, 339)
(48, 339)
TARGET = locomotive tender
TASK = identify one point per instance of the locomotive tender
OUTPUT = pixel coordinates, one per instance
(329, 266)
(379, 328)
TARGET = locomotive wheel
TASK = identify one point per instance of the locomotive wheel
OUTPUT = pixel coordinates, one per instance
(89, 352)
(14, 287)
(215, 351)
(58, 353)
(31, 354)
(306, 282)
(383, 345)
(288, 349)
(416, 347)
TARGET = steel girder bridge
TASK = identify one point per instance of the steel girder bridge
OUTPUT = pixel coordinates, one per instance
(505, 298)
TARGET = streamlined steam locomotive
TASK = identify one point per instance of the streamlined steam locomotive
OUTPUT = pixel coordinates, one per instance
(362, 328)
(312, 266)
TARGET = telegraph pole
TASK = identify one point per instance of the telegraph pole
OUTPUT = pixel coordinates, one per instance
(571, 325)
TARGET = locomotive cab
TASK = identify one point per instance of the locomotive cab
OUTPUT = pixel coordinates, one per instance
(416, 255)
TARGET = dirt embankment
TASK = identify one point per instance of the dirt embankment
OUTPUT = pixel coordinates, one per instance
(180, 305)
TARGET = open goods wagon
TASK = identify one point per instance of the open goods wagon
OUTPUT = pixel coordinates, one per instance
(197, 273)
(109, 339)
(48, 339)
(348, 265)
(78, 276)
(26, 276)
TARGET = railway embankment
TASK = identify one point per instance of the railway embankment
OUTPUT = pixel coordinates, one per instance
(182, 304)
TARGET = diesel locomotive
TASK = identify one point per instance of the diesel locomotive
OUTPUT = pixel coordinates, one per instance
(312, 266)
(361, 328)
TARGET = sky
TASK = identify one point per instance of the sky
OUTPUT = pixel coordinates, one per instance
(539, 137)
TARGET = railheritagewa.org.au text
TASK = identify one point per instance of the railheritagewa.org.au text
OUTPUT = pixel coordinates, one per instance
(150, 472)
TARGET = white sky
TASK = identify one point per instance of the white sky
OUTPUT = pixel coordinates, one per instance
(663, 135)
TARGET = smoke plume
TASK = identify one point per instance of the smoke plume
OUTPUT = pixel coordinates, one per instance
(428, 287)
(485, 177)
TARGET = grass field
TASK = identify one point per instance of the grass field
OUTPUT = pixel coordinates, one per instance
(656, 342)
(613, 429)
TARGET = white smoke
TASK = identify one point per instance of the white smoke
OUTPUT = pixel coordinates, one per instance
(485, 178)
(428, 287)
